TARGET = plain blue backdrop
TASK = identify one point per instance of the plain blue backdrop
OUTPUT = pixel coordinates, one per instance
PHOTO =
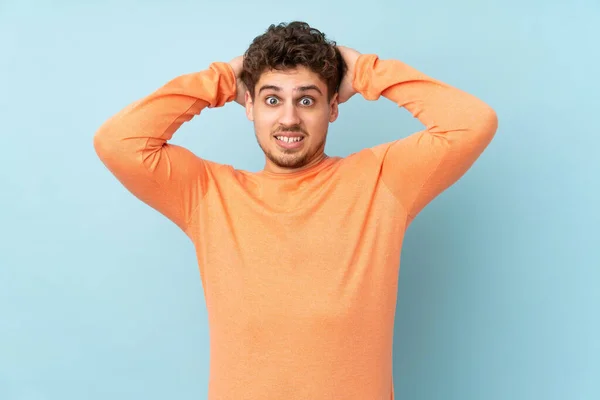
(499, 293)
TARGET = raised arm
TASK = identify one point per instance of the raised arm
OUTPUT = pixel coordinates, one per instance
(133, 144)
(458, 128)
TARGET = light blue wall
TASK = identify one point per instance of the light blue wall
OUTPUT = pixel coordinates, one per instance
(499, 298)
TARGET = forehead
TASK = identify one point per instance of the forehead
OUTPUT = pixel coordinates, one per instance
(291, 79)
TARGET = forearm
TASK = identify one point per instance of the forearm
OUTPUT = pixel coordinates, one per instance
(441, 108)
(147, 124)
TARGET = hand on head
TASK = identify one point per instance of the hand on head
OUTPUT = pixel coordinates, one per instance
(346, 89)
(237, 64)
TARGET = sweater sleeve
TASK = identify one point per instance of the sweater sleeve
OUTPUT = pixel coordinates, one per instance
(458, 128)
(134, 143)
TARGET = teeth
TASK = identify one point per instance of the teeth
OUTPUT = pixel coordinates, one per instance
(288, 139)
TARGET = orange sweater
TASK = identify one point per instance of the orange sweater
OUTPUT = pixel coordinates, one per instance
(299, 271)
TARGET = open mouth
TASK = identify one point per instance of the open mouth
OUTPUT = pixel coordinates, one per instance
(289, 139)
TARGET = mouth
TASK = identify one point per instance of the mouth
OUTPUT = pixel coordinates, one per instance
(289, 140)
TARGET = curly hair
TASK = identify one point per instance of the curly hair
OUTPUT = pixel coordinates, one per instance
(290, 45)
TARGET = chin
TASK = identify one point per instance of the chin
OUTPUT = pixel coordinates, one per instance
(296, 161)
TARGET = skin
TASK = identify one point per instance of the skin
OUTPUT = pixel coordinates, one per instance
(293, 102)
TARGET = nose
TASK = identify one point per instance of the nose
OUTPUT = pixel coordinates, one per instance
(289, 115)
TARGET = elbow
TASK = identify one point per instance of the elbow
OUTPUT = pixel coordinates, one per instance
(101, 144)
(491, 119)
(482, 128)
(106, 145)
(486, 122)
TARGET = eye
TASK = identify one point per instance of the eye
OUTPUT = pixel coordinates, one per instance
(306, 101)
(272, 101)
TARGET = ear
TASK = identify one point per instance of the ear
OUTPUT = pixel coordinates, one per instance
(249, 106)
(333, 108)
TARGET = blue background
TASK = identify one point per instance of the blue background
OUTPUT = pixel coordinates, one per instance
(499, 297)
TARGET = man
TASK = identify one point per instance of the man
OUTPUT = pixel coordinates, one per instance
(299, 262)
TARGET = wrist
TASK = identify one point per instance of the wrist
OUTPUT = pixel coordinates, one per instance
(363, 74)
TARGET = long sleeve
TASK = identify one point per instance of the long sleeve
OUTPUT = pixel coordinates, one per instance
(134, 146)
(458, 128)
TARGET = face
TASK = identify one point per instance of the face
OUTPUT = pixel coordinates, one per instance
(291, 116)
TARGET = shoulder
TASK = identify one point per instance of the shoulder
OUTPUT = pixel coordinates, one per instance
(367, 159)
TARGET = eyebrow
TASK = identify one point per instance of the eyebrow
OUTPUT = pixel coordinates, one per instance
(305, 88)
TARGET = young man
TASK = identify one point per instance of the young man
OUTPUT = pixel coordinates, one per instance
(299, 262)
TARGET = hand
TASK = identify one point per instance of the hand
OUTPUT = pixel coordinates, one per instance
(346, 89)
(237, 64)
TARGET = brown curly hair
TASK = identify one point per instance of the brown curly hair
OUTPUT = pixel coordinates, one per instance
(286, 46)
